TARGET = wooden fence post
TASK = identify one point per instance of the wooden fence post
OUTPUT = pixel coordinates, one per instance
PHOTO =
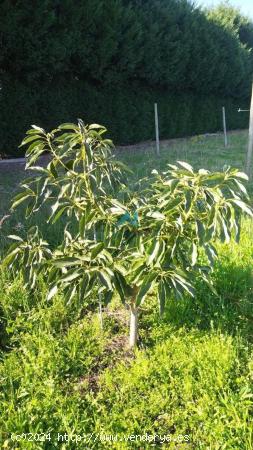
(250, 144)
(224, 126)
(157, 131)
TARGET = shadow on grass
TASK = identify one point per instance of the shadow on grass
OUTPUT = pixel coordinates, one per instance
(231, 312)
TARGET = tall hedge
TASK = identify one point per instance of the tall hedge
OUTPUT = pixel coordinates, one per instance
(109, 60)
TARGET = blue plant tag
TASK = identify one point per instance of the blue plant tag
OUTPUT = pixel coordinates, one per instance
(127, 218)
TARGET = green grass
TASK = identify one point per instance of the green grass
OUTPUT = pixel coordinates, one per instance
(205, 151)
(192, 374)
(201, 151)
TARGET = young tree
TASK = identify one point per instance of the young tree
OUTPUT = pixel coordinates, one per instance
(122, 242)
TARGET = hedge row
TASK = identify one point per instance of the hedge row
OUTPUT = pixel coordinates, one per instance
(127, 111)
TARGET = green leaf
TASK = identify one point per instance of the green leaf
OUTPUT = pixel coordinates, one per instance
(194, 254)
(52, 169)
(108, 297)
(20, 198)
(54, 208)
(70, 276)
(186, 166)
(59, 214)
(35, 155)
(32, 149)
(214, 179)
(241, 175)
(211, 253)
(137, 271)
(96, 249)
(15, 238)
(173, 203)
(119, 268)
(69, 293)
(95, 126)
(237, 226)
(122, 286)
(119, 286)
(242, 205)
(68, 126)
(10, 257)
(242, 188)
(52, 274)
(179, 281)
(153, 252)
(105, 279)
(156, 215)
(53, 291)
(200, 232)
(145, 287)
(188, 201)
(88, 151)
(82, 223)
(30, 139)
(38, 129)
(163, 292)
(224, 231)
(66, 262)
(172, 183)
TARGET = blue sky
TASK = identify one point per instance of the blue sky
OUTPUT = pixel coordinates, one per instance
(246, 6)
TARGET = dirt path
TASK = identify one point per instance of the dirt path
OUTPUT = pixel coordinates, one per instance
(13, 164)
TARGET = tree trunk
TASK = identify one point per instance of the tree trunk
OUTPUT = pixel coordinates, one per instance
(133, 336)
(100, 314)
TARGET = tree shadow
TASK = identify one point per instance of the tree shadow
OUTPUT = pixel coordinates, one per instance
(230, 312)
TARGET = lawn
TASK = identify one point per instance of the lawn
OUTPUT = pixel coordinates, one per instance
(207, 151)
(188, 386)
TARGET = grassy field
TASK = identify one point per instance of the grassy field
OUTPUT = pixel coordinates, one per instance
(206, 151)
(190, 382)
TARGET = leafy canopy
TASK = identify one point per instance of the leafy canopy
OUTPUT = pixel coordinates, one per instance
(163, 237)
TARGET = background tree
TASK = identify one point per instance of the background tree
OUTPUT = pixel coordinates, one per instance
(114, 59)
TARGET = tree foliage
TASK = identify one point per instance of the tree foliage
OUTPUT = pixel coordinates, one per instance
(231, 19)
(163, 237)
(163, 46)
